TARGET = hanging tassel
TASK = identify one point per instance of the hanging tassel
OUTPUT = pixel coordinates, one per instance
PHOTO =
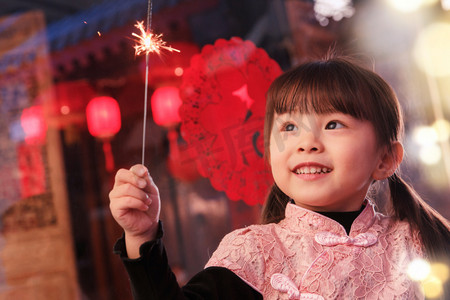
(109, 158)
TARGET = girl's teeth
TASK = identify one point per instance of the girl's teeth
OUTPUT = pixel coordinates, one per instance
(312, 170)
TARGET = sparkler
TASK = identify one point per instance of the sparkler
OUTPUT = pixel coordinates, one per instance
(148, 42)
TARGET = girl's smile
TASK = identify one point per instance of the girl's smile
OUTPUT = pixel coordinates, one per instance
(324, 162)
(311, 170)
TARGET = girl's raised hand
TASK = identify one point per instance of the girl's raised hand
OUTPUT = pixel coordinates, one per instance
(135, 205)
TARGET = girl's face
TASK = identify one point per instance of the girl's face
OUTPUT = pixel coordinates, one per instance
(324, 162)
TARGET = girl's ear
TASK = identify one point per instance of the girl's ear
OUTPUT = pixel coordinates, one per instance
(389, 162)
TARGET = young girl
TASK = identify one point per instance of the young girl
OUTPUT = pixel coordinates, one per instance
(332, 131)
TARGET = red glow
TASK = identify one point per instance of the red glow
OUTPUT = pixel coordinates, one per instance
(181, 159)
(32, 170)
(103, 117)
(165, 104)
(223, 93)
(33, 125)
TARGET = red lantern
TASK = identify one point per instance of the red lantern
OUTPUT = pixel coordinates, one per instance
(33, 125)
(165, 104)
(103, 117)
(103, 120)
(29, 155)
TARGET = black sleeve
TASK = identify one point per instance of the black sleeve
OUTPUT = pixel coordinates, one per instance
(151, 277)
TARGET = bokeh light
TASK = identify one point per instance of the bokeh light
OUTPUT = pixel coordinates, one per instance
(441, 271)
(65, 110)
(432, 287)
(178, 71)
(425, 135)
(432, 277)
(405, 5)
(442, 129)
(336, 9)
(432, 48)
(445, 4)
(430, 154)
(419, 269)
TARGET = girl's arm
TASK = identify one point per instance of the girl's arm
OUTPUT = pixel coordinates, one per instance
(151, 277)
(135, 205)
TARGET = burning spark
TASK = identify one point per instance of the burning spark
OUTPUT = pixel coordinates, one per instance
(99, 33)
(149, 42)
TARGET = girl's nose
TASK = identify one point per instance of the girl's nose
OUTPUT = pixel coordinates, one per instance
(309, 142)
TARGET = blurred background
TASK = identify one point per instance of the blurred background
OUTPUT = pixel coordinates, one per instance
(72, 92)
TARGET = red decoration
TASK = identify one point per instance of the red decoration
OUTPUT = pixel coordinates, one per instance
(103, 117)
(30, 160)
(103, 120)
(32, 170)
(222, 114)
(166, 102)
(33, 125)
(181, 162)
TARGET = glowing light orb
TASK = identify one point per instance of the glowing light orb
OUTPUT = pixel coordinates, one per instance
(65, 110)
(432, 287)
(431, 49)
(178, 71)
(445, 4)
(418, 269)
(336, 9)
(442, 128)
(406, 6)
(431, 154)
(441, 271)
(425, 135)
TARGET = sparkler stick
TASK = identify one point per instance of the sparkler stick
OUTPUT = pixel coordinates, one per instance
(144, 126)
(148, 42)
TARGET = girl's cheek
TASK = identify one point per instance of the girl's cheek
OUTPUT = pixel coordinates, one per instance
(280, 142)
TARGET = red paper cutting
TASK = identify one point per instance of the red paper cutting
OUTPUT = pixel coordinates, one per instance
(223, 93)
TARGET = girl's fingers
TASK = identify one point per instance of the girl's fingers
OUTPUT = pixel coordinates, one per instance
(129, 190)
(135, 182)
(142, 173)
(135, 176)
(126, 203)
(139, 170)
(151, 189)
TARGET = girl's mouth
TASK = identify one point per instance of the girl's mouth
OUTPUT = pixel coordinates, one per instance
(312, 170)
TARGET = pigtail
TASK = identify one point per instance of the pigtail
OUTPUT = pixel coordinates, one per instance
(433, 228)
(275, 205)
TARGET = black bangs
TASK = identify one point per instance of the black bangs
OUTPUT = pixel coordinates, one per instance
(336, 85)
(321, 88)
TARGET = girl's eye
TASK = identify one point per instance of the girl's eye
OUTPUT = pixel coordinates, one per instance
(334, 125)
(289, 127)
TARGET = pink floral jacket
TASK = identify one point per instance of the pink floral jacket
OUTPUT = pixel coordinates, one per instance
(310, 256)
